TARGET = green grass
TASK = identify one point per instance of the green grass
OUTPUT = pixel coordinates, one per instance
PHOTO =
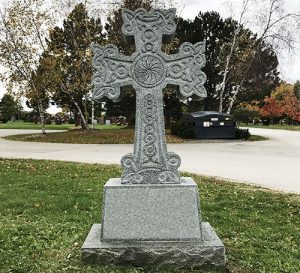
(47, 208)
(272, 126)
(112, 136)
(29, 125)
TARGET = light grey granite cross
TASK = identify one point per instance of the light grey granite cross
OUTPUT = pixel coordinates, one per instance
(149, 70)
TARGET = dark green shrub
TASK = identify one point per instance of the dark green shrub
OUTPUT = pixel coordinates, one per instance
(245, 115)
(266, 121)
(71, 121)
(242, 133)
(182, 129)
(3, 119)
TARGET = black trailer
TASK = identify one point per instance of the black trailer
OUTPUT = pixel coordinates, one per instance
(209, 124)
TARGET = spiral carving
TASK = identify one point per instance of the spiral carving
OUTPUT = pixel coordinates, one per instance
(148, 70)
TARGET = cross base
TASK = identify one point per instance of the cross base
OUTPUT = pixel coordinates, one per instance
(151, 212)
(156, 225)
(209, 253)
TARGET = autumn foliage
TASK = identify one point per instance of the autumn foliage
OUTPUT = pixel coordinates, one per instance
(282, 103)
(292, 107)
(271, 109)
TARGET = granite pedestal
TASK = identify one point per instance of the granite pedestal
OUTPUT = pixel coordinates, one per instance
(153, 225)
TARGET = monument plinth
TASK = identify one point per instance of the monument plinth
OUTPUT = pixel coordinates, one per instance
(151, 216)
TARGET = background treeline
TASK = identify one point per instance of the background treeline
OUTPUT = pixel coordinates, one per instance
(49, 62)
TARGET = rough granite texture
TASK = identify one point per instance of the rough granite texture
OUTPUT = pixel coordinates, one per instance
(151, 212)
(151, 216)
(177, 255)
(149, 70)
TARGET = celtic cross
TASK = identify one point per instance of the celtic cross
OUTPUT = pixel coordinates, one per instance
(149, 70)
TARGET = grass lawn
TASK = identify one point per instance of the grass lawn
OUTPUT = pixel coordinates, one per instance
(29, 125)
(272, 126)
(48, 207)
(112, 136)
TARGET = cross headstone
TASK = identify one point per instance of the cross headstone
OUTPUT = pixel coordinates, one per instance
(151, 216)
(149, 70)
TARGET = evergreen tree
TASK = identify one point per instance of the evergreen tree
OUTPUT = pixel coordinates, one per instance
(9, 108)
(262, 76)
(297, 89)
(216, 32)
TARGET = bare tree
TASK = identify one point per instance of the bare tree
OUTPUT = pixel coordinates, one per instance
(275, 26)
(222, 86)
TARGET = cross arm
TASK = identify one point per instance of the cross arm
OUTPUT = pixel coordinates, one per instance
(184, 69)
(111, 72)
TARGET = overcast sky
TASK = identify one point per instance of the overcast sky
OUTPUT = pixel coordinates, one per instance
(289, 65)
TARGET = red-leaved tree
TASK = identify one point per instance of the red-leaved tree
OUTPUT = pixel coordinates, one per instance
(272, 109)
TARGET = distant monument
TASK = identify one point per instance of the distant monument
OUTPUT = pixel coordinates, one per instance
(151, 216)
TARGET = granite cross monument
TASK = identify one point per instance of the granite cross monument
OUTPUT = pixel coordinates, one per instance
(151, 215)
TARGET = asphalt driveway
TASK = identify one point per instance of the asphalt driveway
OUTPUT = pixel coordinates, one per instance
(273, 164)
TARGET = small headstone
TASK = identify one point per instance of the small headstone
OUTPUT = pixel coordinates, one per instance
(107, 122)
(151, 216)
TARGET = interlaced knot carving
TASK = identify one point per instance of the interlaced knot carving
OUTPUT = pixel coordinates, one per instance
(149, 70)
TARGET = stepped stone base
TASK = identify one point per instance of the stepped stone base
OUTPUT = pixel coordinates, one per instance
(153, 225)
(157, 254)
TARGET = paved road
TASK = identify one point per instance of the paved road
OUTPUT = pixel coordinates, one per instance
(273, 164)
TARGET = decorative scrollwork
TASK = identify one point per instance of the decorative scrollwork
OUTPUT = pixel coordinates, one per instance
(148, 71)
(168, 177)
(165, 19)
(112, 93)
(184, 69)
(111, 72)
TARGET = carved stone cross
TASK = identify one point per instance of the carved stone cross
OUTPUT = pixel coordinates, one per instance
(149, 70)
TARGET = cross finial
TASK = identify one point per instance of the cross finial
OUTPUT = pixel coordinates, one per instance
(140, 26)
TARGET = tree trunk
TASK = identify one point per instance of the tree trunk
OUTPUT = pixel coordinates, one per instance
(42, 116)
(232, 48)
(223, 84)
(84, 124)
(93, 114)
(233, 99)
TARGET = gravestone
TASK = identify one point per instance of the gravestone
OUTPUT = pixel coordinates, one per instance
(151, 216)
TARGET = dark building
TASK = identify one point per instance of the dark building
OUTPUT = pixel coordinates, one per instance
(208, 124)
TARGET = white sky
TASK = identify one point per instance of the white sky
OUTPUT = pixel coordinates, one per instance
(289, 66)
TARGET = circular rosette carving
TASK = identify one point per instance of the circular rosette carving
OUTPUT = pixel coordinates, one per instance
(150, 138)
(149, 128)
(150, 150)
(148, 70)
(174, 161)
